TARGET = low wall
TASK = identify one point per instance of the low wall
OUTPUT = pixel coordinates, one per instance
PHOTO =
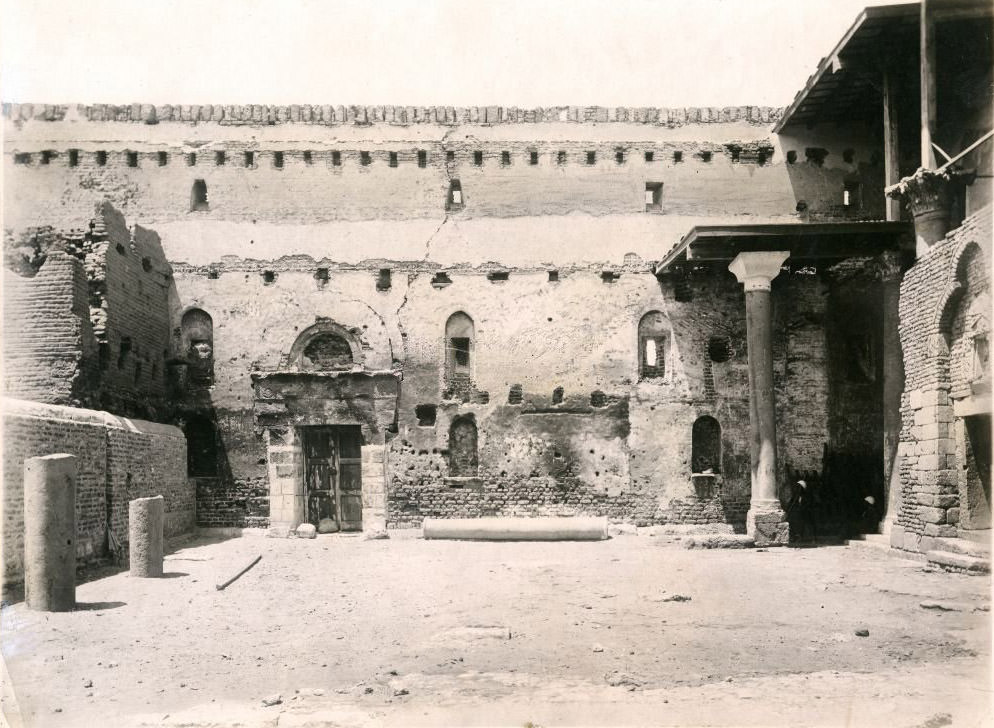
(118, 459)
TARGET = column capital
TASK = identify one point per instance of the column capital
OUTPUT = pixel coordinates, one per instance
(757, 269)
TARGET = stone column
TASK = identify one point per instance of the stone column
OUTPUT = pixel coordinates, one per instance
(146, 519)
(766, 521)
(50, 533)
(889, 270)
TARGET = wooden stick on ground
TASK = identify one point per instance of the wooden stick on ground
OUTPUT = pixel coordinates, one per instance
(255, 561)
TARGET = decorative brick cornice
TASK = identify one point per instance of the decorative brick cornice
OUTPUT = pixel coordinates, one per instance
(328, 115)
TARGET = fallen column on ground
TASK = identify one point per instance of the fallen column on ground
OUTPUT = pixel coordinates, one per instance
(146, 518)
(50, 533)
(517, 529)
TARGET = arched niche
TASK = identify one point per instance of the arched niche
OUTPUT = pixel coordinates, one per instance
(325, 346)
(197, 345)
(653, 341)
(464, 461)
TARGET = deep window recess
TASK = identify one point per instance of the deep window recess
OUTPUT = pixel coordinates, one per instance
(652, 339)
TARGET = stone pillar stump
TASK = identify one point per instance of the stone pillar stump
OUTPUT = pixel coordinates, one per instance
(146, 518)
(50, 533)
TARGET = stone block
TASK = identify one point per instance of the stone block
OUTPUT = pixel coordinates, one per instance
(50, 532)
(306, 530)
(946, 501)
(927, 543)
(897, 536)
(278, 531)
(952, 516)
(768, 529)
(932, 515)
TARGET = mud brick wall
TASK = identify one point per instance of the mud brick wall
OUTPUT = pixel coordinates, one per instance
(48, 341)
(949, 276)
(711, 161)
(118, 459)
(130, 283)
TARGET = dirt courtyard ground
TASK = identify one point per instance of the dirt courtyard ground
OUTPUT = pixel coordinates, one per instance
(635, 630)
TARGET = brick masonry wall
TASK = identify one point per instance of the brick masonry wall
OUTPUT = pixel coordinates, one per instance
(729, 163)
(953, 271)
(640, 466)
(118, 460)
(48, 341)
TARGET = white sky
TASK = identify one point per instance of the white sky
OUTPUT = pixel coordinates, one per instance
(407, 52)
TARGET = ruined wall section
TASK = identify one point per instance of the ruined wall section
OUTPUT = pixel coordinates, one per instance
(933, 290)
(130, 284)
(49, 349)
(608, 443)
(118, 459)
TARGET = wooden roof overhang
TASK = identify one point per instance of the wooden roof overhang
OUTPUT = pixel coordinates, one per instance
(822, 242)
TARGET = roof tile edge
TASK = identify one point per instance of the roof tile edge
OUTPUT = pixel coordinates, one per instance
(260, 115)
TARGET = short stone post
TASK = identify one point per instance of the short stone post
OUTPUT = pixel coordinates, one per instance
(50, 533)
(146, 517)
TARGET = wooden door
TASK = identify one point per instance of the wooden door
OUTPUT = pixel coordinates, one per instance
(320, 473)
(350, 478)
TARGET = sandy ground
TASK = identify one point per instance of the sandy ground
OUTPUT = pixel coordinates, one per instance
(408, 632)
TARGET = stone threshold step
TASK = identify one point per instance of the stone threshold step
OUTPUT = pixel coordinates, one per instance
(966, 563)
(963, 546)
(880, 544)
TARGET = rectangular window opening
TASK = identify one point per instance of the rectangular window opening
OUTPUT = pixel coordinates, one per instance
(249, 159)
(278, 160)
(163, 159)
(191, 159)
(653, 196)
(561, 157)
(393, 159)
(73, 157)
(101, 158)
(384, 280)
(47, 156)
(132, 159)
(460, 349)
(422, 158)
(505, 158)
(650, 156)
(450, 156)
(677, 156)
(533, 158)
(365, 159)
(308, 157)
(478, 158)
(219, 158)
(591, 157)
(336, 159)
(619, 156)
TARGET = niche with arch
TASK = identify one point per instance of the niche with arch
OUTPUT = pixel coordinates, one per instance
(326, 346)
(197, 345)
(460, 334)
(463, 458)
(652, 343)
(198, 196)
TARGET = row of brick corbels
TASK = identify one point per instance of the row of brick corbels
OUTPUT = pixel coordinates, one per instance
(340, 114)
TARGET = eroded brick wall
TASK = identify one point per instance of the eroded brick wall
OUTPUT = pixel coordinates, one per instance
(48, 343)
(118, 460)
(949, 276)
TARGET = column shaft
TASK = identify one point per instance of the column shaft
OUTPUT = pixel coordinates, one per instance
(50, 533)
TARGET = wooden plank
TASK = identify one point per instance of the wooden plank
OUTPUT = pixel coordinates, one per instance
(892, 172)
(928, 107)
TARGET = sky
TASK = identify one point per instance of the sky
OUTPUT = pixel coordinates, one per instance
(417, 52)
